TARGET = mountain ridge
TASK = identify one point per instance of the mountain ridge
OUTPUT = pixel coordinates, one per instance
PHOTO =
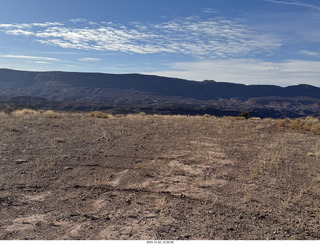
(131, 93)
(158, 85)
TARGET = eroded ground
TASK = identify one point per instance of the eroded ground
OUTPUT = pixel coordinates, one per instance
(156, 177)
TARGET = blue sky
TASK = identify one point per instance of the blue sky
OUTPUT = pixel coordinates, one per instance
(242, 41)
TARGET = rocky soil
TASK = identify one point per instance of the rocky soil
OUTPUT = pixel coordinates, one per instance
(137, 177)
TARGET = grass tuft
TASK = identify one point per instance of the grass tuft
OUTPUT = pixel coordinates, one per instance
(99, 114)
(51, 114)
(25, 111)
(299, 125)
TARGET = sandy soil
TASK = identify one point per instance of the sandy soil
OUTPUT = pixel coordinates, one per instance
(156, 177)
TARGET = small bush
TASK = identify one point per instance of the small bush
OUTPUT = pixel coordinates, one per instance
(119, 115)
(315, 129)
(300, 125)
(145, 169)
(207, 116)
(51, 114)
(142, 114)
(244, 114)
(99, 114)
(296, 125)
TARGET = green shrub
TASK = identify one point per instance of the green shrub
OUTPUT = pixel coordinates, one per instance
(244, 114)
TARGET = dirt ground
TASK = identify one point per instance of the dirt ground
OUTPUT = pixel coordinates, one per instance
(156, 177)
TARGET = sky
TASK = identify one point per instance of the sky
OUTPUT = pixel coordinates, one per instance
(243, 41)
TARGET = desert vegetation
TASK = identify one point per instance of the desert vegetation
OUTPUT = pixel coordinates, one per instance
(111, 176)
(300, 125)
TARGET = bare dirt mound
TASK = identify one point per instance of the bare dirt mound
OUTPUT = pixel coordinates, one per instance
(68, 176)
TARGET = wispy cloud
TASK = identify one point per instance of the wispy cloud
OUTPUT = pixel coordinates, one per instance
(30, 25)
(18, 32)
(309, 53)
(210, 11)
(29, 57)
(25, 29)
(297, 3)
(77, 20)
(89, 59)
(247, 71)
(191, 36)
(41, 62)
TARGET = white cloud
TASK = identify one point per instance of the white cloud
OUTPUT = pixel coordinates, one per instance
(41, 62)
(29, 26)
(18, 32)
(77, 20)
(210, 11)
(6, 26)
(89, 59)
(209, 38)
(301, 4)
(248, 71)
(309, 53)
(28, 57)
(47, 24)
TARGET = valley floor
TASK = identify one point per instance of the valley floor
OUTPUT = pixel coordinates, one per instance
(74, 176)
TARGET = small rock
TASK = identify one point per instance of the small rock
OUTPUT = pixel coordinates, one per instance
(90, 217)
(310, 154)
(133, 216)
(184, 236)
(150, 216)
(21, 161)
(54, 225)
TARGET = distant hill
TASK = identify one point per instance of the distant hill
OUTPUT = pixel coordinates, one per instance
(24, 87)
(70, 84)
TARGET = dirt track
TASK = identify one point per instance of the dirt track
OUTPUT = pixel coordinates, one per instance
(156, 177)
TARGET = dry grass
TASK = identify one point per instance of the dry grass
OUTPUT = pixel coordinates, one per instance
(52, 114)
(206, 183)
(275, 169)
(119, 115)
(101, 179)
(161, 205)
(145, 169)
(142, 114)
(23, 112)
(299, 125)
(99, 114)
(234, 117)
(315, 129)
